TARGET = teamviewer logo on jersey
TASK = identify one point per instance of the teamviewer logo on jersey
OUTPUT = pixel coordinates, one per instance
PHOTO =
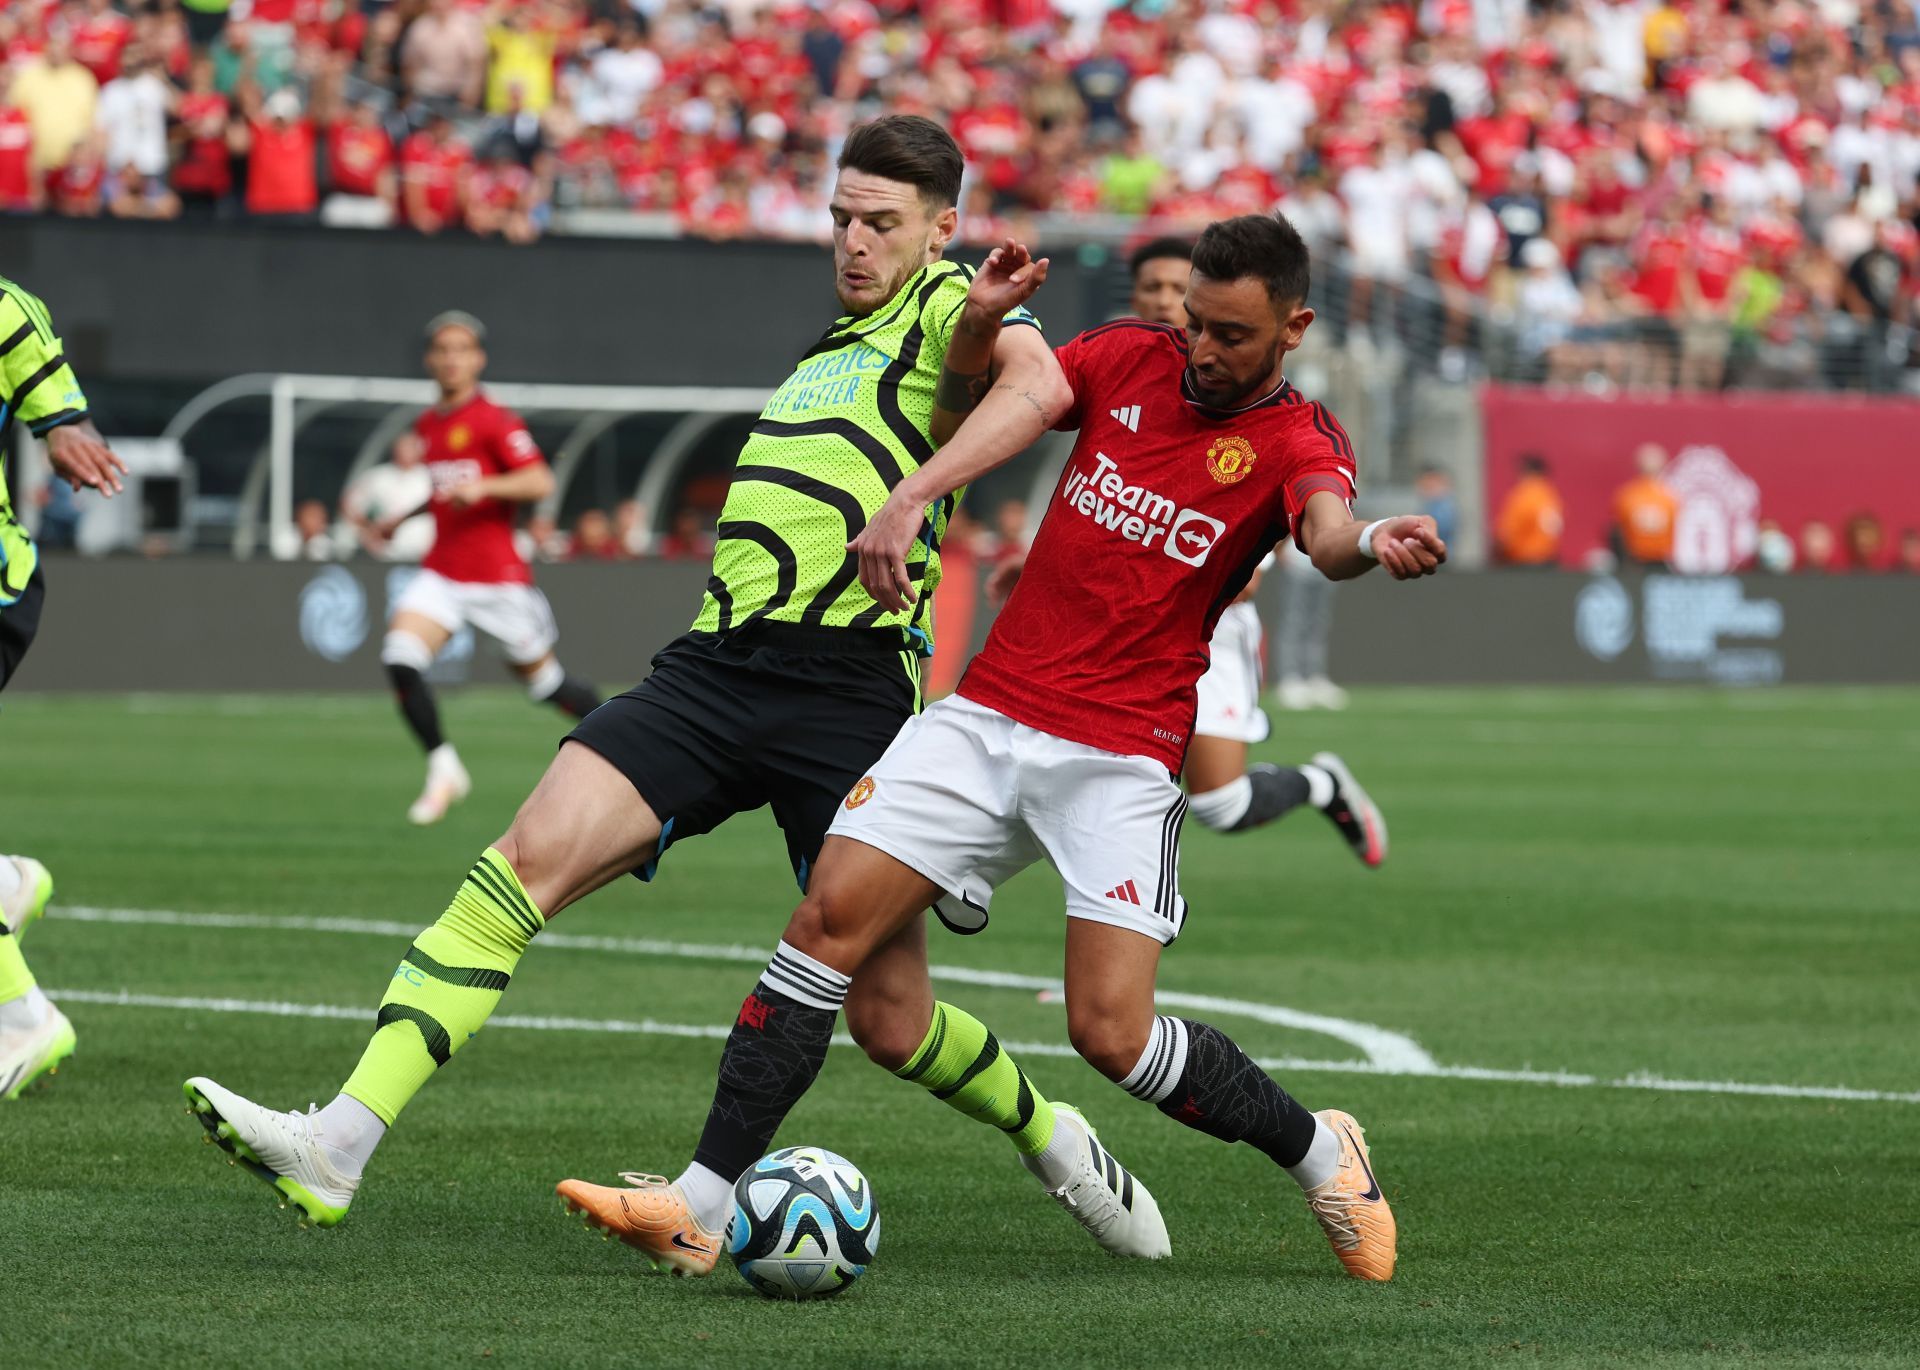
(1192, 536)
(1138, 514)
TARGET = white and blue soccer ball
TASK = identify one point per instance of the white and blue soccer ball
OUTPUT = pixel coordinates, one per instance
(804, 1224)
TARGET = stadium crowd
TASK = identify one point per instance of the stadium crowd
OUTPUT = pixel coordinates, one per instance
(1649, 191)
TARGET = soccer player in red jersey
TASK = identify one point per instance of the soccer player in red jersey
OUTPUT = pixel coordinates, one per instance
(484, 464)
(1069, 727)
(1224, 791)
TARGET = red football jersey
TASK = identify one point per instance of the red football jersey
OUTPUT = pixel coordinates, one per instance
(476, 440)
(16, 159)
(1164, 509)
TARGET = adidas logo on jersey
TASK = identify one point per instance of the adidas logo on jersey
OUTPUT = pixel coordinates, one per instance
(1138, 514)
(1125, 894)
(1129, 416)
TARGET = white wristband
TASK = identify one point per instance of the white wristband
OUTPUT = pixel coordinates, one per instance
(1366, 539)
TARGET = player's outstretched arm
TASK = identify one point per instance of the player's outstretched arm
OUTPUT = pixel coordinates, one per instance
(1029, 396)
(1343, 547)
(527, 484)
(82, 458)
(1006, 280)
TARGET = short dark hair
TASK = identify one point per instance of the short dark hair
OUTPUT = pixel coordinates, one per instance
(1263, 246)
(909, 148)
(1157, 249)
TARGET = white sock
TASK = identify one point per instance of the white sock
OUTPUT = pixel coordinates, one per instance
(1220, 809)
(9, 877)
(1157, 1073)
(543, 682)
(350, 1131)
(709, 1196)
(1319, 785)
(1322, 1161)
(443, 760)
(24, 1012)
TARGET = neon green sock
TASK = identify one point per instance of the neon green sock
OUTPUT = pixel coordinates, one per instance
(963, 1065)
(15, 978)
(447, 984)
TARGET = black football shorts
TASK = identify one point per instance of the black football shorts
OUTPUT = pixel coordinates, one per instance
(780, 714)
(19, 621)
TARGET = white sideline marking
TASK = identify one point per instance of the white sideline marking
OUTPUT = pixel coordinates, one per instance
(1384, 1049)
(718, 1032)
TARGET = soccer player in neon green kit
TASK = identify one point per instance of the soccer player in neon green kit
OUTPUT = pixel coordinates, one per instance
(38, 388)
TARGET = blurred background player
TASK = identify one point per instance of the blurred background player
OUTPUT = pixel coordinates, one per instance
(393, 487)
(483, 463)
(1224, 791)
(38, 388)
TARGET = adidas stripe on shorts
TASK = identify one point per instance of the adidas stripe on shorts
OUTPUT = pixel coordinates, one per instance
(970, 798)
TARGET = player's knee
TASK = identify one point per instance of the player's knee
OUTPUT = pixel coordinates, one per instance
(883, 1028)
(832, 923)
(1107, 1041)
(1222, 807)
(401, 649)
(811, 927)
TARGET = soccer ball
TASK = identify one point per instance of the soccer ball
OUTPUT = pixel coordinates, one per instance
(804, 1224)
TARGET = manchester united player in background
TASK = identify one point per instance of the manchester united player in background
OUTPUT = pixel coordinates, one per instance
(1069, 727)
(484, 464)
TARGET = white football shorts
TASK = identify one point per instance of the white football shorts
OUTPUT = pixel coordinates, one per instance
(1230, 690)
(516, 616)
(970, 798)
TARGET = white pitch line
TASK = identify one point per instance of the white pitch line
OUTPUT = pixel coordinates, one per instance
(1383, 1048)
(648, 1027)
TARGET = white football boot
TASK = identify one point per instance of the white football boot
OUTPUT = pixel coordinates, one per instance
(28, 1053)
(286, 1150)
(30, 1050)
(30, 895)
(1324, 694)
(447, 784)
(1104, 1197)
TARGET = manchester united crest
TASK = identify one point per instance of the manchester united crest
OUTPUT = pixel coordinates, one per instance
(1230, 460)
(861, 792)
(458, 437)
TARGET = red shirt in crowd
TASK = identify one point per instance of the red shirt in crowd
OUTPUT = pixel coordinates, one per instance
(280, 177)
(16, 159)
(98, 41)
(1658, 253)
(435, 167)
(356, 155)
(499, 185)
(1716, 255)
(204, 168)
(1149, 535)
(468, 443)
(78, 187)
(1494, 142)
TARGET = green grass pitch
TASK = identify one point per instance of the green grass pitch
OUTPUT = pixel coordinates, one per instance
(1694, 887)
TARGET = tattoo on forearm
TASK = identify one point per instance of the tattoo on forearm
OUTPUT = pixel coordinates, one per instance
(1038, 408)
(960, 393)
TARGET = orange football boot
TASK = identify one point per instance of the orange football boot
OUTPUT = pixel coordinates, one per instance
(1351, 1207)
(652, 1217)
